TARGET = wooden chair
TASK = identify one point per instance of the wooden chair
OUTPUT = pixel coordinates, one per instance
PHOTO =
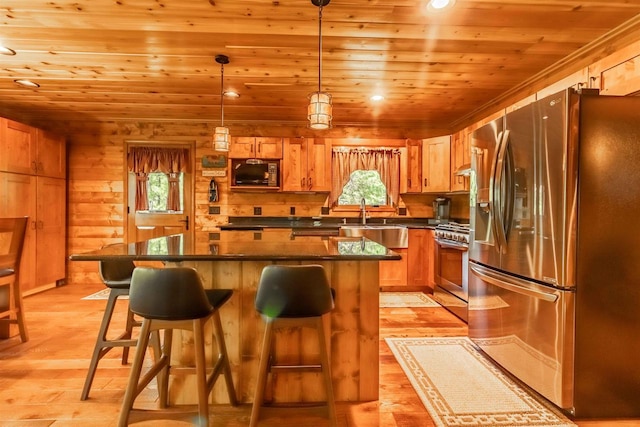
(12, 233)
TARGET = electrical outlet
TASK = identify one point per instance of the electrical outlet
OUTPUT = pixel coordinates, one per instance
(214, 210)
(257, 210)
(292, 210)
(402, 211)
(214, 236)
(324, 210)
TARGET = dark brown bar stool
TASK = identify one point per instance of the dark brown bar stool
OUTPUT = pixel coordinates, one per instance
(288, 296)
(168, 299)
(12, 233)
(116, 275)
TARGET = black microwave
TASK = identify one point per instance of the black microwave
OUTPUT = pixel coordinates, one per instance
(255, 172)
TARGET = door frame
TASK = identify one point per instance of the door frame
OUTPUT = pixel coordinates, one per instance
(189, 180)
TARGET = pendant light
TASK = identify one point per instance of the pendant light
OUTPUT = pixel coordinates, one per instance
(221, 136)
(320, 109)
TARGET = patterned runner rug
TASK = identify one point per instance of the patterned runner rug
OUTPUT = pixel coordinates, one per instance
(406, 299)
(461, 387)
(103, 294)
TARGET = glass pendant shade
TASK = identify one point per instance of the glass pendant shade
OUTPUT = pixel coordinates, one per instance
(221, 139)
(320, 110)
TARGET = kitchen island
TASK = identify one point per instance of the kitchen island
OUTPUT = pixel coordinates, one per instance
(234, 260)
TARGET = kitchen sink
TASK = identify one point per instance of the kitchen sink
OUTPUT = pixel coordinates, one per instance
(391, 236)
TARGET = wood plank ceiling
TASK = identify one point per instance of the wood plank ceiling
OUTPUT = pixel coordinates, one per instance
(154, 59)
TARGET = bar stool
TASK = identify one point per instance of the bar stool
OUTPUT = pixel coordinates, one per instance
(293, 295)
(116, 275)
(168, 299)
(12, 233)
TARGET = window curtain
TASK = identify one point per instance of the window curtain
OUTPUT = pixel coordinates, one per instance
(144, 160)
(384, 160)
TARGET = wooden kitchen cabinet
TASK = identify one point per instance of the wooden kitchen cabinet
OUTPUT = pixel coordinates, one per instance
(243, 147)
(420, 258)
(306, 164)
(411, 168)
(26, 191)
(436, 164)
(394, 272)
(43, 200)
(460, 156)
(28, 150)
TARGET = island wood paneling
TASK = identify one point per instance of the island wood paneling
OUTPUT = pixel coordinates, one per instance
(352, 327)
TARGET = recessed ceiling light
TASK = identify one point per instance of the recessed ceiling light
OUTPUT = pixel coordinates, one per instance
(7, 51)
(377, 98)
(440, 4)
(27, 83)
(231, 94)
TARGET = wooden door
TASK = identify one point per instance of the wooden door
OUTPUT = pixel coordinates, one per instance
(436, 166)
(417, 259)
(319, 164)
(51, 155)
(18, 147)
(394, 273)
(414, 166)
(294, 165)
(268, 148)
(144, 225)
(18, 198)
(50, 231)
(242, 147)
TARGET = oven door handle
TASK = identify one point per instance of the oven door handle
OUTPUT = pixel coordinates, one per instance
(449, 245)
(514, 284)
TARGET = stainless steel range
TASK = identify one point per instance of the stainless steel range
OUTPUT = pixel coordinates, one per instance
(451, 267)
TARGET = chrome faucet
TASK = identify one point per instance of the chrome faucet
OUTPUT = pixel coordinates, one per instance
(363, 211)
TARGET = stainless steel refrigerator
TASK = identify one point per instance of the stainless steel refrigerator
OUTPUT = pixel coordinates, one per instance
(554, 253)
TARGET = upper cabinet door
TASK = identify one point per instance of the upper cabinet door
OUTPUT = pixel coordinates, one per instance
(460, 157)
(18, 147)
(251, 147)
(319, 164)
(436, 164)
(413, 167)
(294, 165)
(51, 155)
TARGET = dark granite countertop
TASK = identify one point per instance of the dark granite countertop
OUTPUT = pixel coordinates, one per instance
(244, 246)
(258, 223)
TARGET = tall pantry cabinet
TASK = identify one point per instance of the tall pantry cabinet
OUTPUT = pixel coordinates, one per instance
(33, 183)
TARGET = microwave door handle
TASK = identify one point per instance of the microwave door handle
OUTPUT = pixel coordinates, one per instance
(511, 283)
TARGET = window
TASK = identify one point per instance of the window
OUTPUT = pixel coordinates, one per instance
(158, 191)
(364, 184)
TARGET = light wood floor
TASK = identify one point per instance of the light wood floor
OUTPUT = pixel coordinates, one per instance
(41, 380)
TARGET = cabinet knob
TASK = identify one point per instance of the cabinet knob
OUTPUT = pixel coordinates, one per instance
(310, 183)
(34, 166)
(425, 182)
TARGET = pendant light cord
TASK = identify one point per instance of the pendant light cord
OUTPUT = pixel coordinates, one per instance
(222, 95)
(320, 49)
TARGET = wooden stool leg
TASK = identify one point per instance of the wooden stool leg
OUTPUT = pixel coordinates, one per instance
(134, 376)
(19, 307)
(265, 355)
(127, 335)
(201, 372)
(99, 350)
(326, 371)
(163, 374)
(222, 351)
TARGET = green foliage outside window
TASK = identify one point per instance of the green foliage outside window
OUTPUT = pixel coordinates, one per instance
(158, 190)
(364, 184)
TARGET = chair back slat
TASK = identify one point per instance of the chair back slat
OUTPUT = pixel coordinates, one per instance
(12, 233)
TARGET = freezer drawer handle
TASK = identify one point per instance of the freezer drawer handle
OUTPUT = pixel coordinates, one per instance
(495, 279)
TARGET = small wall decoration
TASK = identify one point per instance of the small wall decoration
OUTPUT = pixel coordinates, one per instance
(214, 161)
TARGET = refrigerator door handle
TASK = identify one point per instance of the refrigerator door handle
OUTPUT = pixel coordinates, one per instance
(511, 283)
(497, 187)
